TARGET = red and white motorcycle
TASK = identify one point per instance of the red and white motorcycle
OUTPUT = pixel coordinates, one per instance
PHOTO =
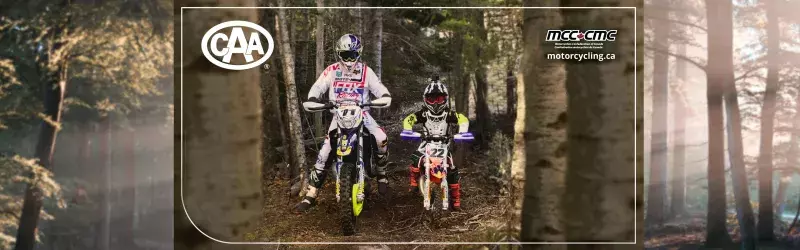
(435, 162)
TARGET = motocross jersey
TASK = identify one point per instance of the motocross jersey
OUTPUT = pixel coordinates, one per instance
(348, 85)
(436, 124)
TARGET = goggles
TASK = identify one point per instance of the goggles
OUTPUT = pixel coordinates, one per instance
(435, 99)
(348, 56)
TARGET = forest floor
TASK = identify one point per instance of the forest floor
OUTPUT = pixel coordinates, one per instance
(397, 217)
(688, 233)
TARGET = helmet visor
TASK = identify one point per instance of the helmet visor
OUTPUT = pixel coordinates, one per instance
(436, 99)
(348, 56)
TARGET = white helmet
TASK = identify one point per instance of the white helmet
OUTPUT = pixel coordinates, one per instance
(348, 49)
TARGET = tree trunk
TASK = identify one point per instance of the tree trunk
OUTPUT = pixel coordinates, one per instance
(462, 106)
(511, 98)
(545, 117)
(601, 202)
(678, 195)
(292, 109)
(722, 18)
(377, 40)
(221, 137)
(786, 176)
(84, 145)
(319, 126)
(656, 195)
(518, 159)
(459, 89)
(104, 237)
(377, 47)
(32, 203)
(483, 116)
(281, 119)
(359, 19)
(129, 186)
(716, 231)
(765, 209)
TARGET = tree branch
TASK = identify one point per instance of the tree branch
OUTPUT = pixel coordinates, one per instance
(692, 25)
(682, 57)
(747, 74)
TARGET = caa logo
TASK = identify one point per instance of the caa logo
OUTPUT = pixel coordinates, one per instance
(237, 44)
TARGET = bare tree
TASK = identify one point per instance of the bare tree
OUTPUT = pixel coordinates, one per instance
(104, 157)
(292, 101)
(765, 167)
(786, 176)
(483, 116)
(716, 231)
(656, 196)
(720, 57)
(377, 41)
(680, 108)
(319, 127)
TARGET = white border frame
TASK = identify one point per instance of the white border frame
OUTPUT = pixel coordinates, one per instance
(635, 111)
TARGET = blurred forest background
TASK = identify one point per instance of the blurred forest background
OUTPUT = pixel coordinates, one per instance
(517, 184)
(722, 124)
(85, 124)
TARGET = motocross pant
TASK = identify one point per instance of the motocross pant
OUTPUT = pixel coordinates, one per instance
(452, 172)
(324, 160)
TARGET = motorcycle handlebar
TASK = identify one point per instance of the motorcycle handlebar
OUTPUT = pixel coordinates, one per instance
(331, 105)
(426, 137)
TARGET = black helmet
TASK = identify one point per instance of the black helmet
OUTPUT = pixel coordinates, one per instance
(436, 97)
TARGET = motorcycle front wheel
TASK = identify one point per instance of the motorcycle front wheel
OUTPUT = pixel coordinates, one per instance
(346, 209)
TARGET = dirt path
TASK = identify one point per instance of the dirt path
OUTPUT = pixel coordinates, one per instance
(398, 218)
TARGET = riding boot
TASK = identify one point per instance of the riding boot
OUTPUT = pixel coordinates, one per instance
(413, 176)
(308, 201)
(455, 196)
(383, 182)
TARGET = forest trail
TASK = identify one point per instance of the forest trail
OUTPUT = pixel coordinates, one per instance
(398, 217)
(689, 233)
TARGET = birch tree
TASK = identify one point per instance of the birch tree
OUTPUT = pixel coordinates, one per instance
(542, 156)
(221, 130)
(600, 175)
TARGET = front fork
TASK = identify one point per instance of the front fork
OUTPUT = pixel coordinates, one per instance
(358, 193)
(425, 188)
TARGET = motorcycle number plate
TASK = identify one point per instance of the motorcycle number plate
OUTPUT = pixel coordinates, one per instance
(437, 150)
(345, 147)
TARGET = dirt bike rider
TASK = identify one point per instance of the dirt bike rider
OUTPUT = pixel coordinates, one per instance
(348, 80)
(436, 117)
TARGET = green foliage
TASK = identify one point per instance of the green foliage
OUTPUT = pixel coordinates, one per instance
(114, 54)
(116, 58)
(16, 173)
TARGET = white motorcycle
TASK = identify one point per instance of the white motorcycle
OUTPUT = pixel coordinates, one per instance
(354, 161)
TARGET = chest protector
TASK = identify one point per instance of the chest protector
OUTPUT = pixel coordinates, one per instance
(436, 124)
